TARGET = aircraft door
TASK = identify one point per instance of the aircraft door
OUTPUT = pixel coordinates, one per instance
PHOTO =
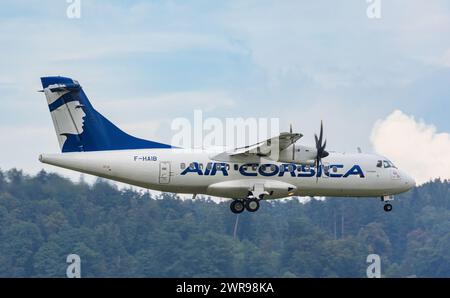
(376, 171)
(326, 170)
(164, 172)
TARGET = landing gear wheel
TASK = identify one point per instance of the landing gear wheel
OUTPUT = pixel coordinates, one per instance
(387, 207)
(237, 206)
(252, 205)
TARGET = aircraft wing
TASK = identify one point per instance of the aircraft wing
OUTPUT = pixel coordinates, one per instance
(267, 147)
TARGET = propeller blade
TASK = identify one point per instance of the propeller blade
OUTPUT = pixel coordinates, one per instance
(320, 148)
(293, 143)
(324, 153)
(293, 151)
(317, 168)
(321, 132)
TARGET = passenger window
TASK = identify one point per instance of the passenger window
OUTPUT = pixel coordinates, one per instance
(209, 166)
(254, 167)
(200, 165)
(334, 169)
(192, 166)
(182, 166)
(236, 167)
(379, 164)
(228, 167)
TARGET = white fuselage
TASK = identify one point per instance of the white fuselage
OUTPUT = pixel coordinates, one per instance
(196, 172)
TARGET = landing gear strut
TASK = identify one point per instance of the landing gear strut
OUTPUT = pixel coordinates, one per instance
(387, 207)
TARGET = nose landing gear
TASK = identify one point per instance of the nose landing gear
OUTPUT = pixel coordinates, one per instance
(387, 207)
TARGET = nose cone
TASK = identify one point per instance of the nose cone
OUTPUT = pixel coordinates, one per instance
(411, 181)
(408, 181)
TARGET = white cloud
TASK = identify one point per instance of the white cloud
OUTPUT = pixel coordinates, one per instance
(333, 43)
(21, 146)
(151, 117)
(445, 59)
(155, 42)
(413, 145)
(185, 100)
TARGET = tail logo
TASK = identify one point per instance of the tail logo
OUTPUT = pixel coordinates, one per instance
(77, 115)
(79, 127)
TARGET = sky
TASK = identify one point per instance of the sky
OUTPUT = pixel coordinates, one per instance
(381, 84)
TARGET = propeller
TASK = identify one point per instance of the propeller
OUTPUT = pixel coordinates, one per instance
(321, 153)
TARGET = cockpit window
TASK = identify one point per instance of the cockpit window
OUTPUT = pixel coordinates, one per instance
(379, 164)
(388, 164)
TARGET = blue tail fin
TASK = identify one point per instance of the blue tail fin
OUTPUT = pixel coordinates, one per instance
(79, 126)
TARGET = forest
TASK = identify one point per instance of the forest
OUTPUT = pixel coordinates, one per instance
(134, 233)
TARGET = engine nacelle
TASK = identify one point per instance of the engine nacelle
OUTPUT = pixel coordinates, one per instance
(301, 155)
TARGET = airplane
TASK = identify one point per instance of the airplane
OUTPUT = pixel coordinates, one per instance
(276, 168)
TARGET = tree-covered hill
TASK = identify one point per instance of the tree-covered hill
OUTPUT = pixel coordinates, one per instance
(126, 233)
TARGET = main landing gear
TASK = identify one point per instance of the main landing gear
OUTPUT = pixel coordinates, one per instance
(249, 204)
(387, 207)
(237, 206)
